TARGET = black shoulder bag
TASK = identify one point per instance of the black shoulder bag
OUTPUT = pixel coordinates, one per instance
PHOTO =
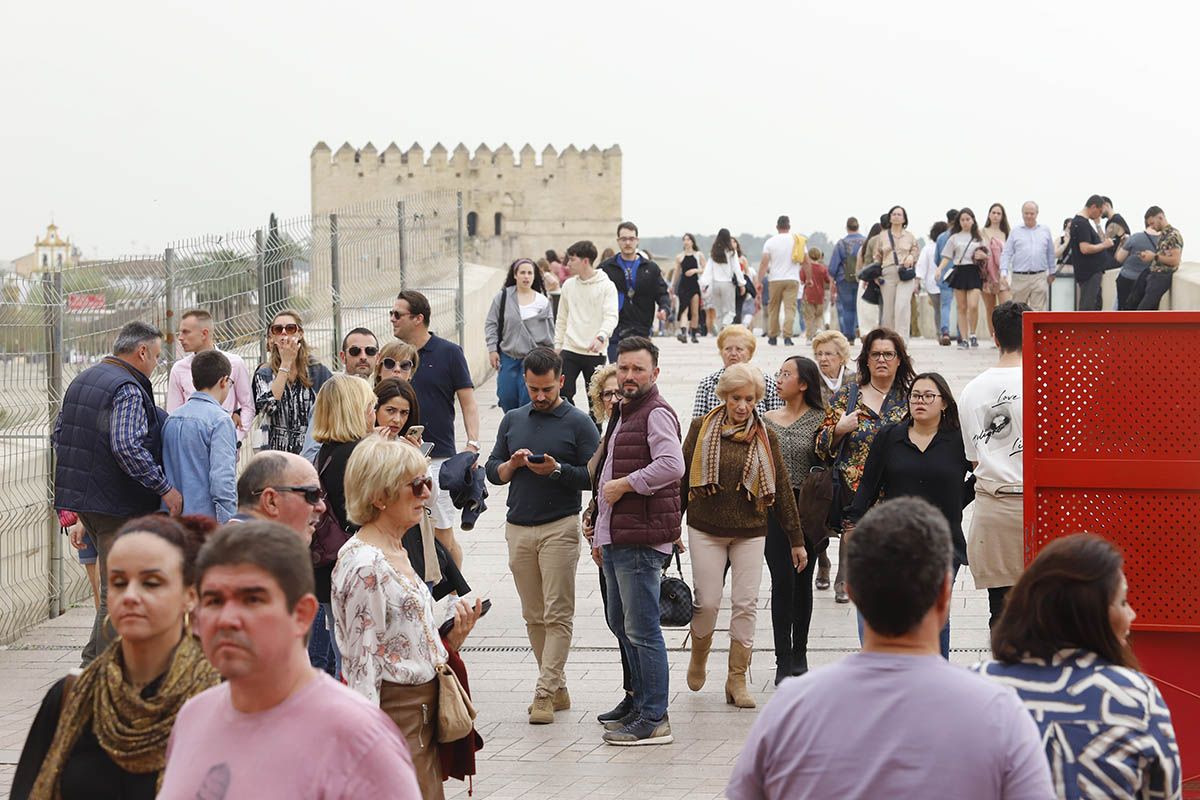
(838, 490)
(906, 273)
(674, 598)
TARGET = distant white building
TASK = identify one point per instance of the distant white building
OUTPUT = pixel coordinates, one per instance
(49, 250)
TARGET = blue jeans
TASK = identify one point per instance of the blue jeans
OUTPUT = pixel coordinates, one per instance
(943, 638)
(633, 574)
(848, 308)
(947, 298)
(322, 652)
(510, 383)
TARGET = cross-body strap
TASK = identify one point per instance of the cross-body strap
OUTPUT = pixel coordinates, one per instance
(892, 239)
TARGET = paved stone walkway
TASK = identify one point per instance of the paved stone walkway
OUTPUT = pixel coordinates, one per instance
(567, 759)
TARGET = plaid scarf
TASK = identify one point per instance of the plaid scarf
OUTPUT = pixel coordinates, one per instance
(133, 730)
(758, 473)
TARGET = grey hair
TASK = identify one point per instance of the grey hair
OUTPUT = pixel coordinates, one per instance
(1031, 203)
(133, 335)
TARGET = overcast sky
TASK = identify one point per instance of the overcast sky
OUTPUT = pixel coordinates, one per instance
(137, 123)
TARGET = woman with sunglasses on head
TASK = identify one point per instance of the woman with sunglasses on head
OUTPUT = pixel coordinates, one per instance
(397, 359)
(1062, 643)
(286, 387)
(922, 456)
(383, 611)
(103, 733)
(875, 397)
(519, 320)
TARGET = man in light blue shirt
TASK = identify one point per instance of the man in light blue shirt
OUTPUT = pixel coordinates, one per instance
(200, 442)
(1028, 257)
(946, 294)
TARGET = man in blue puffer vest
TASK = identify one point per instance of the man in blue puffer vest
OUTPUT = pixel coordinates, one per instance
(108, 443)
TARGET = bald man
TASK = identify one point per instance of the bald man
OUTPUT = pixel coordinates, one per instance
(1028, 257)
(281, 487)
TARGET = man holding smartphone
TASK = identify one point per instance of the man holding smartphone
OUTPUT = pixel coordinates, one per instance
(542, 450)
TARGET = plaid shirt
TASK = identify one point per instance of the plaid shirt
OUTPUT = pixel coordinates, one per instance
(129, 427)
(706, 396)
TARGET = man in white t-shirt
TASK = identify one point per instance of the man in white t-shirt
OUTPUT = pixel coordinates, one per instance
(783, 276)
(989, 412)
(277, 727)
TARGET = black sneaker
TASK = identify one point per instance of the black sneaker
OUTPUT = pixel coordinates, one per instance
(772, 340)
(787, 340)
(974, 342)
(622, 708)
(639, 732)
(616, 724)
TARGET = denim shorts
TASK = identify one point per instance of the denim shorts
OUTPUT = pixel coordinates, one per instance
(89, 554)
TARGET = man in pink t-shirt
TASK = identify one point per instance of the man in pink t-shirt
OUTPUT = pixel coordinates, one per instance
(277, 728)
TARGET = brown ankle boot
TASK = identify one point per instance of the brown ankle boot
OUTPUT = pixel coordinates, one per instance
(698, 666)
(735, 685)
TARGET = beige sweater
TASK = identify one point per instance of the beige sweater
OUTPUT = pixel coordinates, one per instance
(585, 309)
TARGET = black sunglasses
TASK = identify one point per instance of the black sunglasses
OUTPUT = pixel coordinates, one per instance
(421, 486)
(289, 328)
(355, 350)
(391, 363)
(312, 494)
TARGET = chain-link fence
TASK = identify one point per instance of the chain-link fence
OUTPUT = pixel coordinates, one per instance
(339, 271)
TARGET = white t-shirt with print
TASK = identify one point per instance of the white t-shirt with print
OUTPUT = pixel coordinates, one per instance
(781, 267)
(989, 411)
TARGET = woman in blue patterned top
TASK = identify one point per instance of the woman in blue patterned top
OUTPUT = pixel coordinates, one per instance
(1063, 644)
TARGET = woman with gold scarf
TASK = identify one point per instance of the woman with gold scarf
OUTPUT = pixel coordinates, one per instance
(103, 733)
(736, 475)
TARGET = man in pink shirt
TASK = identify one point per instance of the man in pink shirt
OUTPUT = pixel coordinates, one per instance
(195, 336)
(277, 727)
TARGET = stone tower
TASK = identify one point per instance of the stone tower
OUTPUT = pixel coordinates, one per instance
(513, 204)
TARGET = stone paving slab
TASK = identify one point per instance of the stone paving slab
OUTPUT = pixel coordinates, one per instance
(567, 759)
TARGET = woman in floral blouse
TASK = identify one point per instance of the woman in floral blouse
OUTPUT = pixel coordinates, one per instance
(382, 610)
(286, 387)
(880, 396)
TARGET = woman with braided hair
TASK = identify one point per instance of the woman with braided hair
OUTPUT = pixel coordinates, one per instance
(103, 733)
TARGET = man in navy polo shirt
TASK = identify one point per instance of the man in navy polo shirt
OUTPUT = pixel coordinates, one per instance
(441, 377)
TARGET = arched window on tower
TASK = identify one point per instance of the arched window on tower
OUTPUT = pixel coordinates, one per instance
(60, 259)
(499, 220)
(472, 223)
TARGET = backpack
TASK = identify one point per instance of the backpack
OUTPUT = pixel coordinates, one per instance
(849, 262)
(799, 248)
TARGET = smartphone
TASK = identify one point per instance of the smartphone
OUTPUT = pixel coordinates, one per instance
(536, 458)
(415, 432)
(448, 625)
(426, 448)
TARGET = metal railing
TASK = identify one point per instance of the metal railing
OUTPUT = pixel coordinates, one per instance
(340, 270)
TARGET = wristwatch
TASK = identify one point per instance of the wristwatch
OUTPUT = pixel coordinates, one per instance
(473, 443)
(602, 337)
(556, 474)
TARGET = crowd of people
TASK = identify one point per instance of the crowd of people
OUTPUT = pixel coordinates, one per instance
(309, 533)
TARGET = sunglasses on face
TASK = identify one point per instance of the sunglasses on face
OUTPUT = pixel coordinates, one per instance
(398, 315)
(422, 486)
(355, 350)
(391, 363)
(290, 328)
(312, 494)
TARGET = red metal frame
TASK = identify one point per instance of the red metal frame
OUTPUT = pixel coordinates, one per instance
(1112, 446)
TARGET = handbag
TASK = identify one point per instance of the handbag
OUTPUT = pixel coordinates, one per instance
(837, 487)
(674, 598)
(456, 713)
(871, 272)
(328, 535)
(905, 273)
(872, 294)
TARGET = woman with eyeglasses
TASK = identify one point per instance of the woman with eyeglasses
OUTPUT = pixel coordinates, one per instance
(286, 387)
(383, 612)
(519, 320)
(878, 396)
(103, 733)
(921, 456)
(397, 359)
(344, 415)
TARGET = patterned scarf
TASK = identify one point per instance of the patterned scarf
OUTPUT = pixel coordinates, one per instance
(758, 473)
(133, 730)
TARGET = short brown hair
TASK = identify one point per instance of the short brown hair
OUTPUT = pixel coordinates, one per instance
(418, 304)
(270, 546)
(199, 313)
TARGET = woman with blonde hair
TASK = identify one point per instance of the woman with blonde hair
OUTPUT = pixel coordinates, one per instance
(604, 393)
(103, 733)
(736, 477)
(831, 351)
(397, 359)
(344, 414)
(286, 387)
(383, 612)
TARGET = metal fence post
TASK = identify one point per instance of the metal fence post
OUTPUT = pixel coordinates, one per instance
(459, 314)
(169, 291)
(52, 295)
(263, 319)
(335, 280)
(402, 258)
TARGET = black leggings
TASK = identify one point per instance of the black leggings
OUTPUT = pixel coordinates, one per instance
(626, 680)
(996, 604)
(575, 365)
(791, 595)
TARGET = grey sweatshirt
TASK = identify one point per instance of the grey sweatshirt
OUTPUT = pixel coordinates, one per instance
(519, 336)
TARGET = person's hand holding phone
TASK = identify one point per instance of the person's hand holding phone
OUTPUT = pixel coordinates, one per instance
(541, 463)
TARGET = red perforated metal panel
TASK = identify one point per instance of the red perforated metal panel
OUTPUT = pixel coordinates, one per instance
(1112, 446)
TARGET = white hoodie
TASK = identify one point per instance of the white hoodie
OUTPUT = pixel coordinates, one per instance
(586, 308)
